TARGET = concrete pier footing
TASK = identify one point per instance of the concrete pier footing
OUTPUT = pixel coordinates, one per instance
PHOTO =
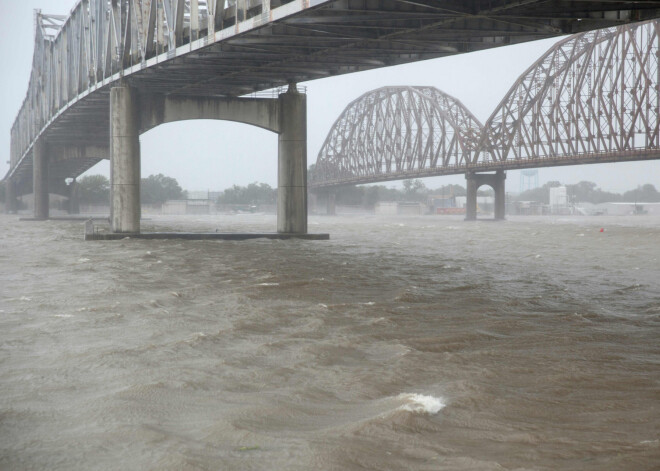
(40, 179)
(124, 160)
(494, 180)
(236, 236)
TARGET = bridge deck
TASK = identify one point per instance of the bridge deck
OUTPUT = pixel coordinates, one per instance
(267, 44)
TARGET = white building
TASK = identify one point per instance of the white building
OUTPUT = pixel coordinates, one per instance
(558, 200)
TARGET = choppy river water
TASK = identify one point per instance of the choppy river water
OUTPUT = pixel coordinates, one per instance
(421, 343)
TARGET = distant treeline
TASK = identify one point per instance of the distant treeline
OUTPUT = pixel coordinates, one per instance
(415, 190)
(156, 189)
(588, 192)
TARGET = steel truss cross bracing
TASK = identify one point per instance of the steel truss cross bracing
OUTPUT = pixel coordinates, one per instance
(396, 132)
(591, 94)
(231, 48)
(592, 98)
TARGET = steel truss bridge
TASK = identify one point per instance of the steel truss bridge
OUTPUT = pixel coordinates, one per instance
(168, 60)
(592, 98)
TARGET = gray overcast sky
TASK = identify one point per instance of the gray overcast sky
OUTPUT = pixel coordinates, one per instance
(214, 155)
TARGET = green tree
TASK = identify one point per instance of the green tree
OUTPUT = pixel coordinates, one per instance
(254, 193)
(156, 189)
(589, 192)
(371, 196)
(643, 194)
(350, 195)
(541, 194)
(94, 189)
(451, 189)
(415, 190)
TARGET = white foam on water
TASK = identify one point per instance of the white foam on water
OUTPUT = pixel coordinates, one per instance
(83, 260)
(421, 403)
(63, 316)
(651, 443)
(268, 284)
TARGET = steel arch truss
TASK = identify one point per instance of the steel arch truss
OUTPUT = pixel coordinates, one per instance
(592, 97)
(396, 132)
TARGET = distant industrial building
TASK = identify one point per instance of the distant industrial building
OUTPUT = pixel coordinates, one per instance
(559, 201)
(399, 208)
(173, 207)
(444, 204)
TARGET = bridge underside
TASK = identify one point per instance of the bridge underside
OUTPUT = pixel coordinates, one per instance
(325, 38)
(67, 123)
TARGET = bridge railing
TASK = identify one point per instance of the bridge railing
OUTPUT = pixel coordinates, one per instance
(100, 40)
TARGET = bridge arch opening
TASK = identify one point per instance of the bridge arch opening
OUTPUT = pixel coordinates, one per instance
(132, 113)
(204, 154)
(494, 180)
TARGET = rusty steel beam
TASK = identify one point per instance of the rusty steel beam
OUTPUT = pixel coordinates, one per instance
(592, 98)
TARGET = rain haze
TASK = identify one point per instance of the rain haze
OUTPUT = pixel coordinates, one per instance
(392, 335)
(212, 155)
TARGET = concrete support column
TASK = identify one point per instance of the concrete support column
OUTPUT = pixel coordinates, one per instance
(74, 200)
(331, 206)
(40, 179)
(500, 194)
(292, 163)
(471, 198)
(124, 159)
(11, 203)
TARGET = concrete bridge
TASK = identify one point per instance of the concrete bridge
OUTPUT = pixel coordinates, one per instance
(112, 69)
(594, 97)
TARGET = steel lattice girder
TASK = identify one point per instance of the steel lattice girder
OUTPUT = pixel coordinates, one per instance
(592, 93)
(592, 98)
(397, 130)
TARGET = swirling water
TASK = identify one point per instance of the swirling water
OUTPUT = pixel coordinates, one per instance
(422, 343)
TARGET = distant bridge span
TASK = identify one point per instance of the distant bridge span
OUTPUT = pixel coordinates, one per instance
(96, 71)
(592, 98)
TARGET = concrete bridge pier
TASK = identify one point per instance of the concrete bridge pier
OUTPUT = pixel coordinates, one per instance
(74, 200)
(40, 179)
(132, 113)
(331, 206)
(11, 202)
(124, 159)
(292, 163)
(496, 181)
(500, 195)
(471, 197)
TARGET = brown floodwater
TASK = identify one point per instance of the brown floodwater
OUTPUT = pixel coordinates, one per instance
(419, 343)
